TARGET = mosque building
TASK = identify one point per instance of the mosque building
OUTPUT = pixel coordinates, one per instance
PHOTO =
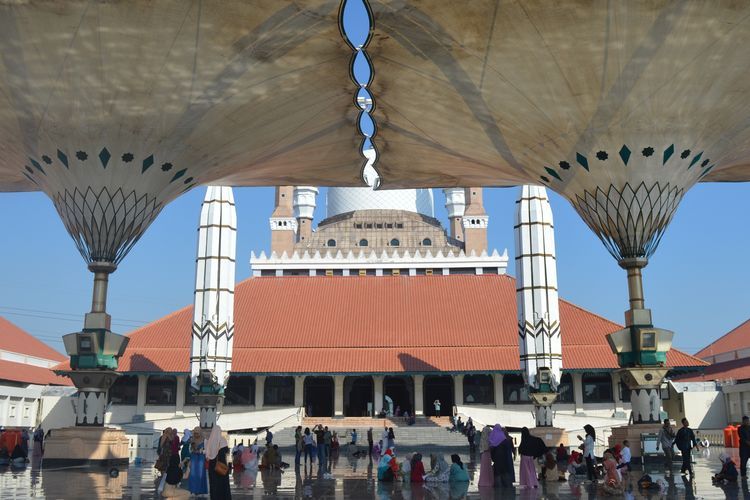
(378, 307)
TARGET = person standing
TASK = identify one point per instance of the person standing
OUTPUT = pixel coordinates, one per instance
(369, 441)
(666, 441)
(744, 432)
(486, 475)
(197, 480)
(216, 451)
(589, 442)
(308, 441)
(320, 442)
(353, 442)
(531, 448)
(436, 404)
(327, 438)
(685, 442)
(299, 444)
(391, 438)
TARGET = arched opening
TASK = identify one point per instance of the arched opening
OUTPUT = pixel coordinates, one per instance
(427, 242)
(438, 388)
(363, 242)
(400, 390)
(318, 396)
(597, 388)
(395, 242)
(240, 390)
(479, 390)
(331, 243)
(515, 390)
(161, 390)
(565, 389)
(358, 393)
(278, 391)
(124, 391)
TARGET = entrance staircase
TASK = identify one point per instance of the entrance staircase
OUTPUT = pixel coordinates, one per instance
(426, 433)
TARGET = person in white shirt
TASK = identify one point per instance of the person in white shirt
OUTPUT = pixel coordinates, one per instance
(588, 451)
(626, 456)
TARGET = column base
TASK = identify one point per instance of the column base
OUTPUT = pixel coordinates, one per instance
(552, 436)
(86, 446)
(633, 434)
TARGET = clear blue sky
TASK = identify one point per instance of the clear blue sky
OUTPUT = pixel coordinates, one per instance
(696, 284)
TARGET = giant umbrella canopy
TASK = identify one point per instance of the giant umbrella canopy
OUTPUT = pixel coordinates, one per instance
(621, 107)
(113, 109)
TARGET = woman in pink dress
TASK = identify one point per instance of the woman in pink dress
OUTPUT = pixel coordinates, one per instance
(486, 474)
(530, 449)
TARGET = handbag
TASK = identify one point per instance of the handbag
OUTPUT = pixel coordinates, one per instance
(221, 468)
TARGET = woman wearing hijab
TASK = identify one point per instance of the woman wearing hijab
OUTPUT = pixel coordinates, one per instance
(588, 451)
(185, 451)
(531, 448)
(216, 451)
(440, 472)
(198, 481)
(486, 475)
(458, 471)
(501, 452)
(387, 467)
(164, 451)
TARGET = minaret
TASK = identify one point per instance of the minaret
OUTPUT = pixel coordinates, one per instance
(455, 204)
(283, 223)
(213, 312)
(536, 292)
(304, 209)
(475, 222)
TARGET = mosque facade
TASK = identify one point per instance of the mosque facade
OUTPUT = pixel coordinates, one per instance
(377, 308)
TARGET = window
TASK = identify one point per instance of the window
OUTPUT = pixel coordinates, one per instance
(240, 390)
(395, 242)
(363, 242)
(399, 225)
(190, 394)
(389, 226)
(379, 226)
(368, 226)
(331, 243)
(624, 392)
(427, 242)
(597, 388)
(515, 390)
(278, 391)
(358, 225)
(479, 389)
(161, 390)
(124, 391)
(565, 389)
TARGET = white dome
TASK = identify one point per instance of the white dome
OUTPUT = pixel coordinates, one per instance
(343, 200)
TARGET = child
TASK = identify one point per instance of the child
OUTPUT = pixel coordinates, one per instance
(728, 472)
(612, 481)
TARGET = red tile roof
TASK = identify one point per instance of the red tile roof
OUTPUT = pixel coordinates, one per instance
(735, 340)
(30, 374)
(14, 339)
(736, 369)
(371, 324)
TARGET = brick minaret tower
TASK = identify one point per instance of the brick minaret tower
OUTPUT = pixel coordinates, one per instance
(475, 222)
(283, 223)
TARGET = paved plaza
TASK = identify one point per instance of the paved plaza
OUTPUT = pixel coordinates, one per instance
(352, 479)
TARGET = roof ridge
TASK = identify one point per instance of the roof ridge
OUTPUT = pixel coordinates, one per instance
(725, 335)
(40, 344)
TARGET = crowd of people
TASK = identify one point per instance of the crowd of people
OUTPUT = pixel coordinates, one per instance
(200, 460)
(203, 461)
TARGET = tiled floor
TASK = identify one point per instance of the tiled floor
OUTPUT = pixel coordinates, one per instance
(352, 479)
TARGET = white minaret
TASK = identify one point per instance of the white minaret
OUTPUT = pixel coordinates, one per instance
(304, 210)
(536, 292)
(213, 313)
(455, 204)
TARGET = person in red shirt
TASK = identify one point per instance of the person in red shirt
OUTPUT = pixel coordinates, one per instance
(417, 469)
